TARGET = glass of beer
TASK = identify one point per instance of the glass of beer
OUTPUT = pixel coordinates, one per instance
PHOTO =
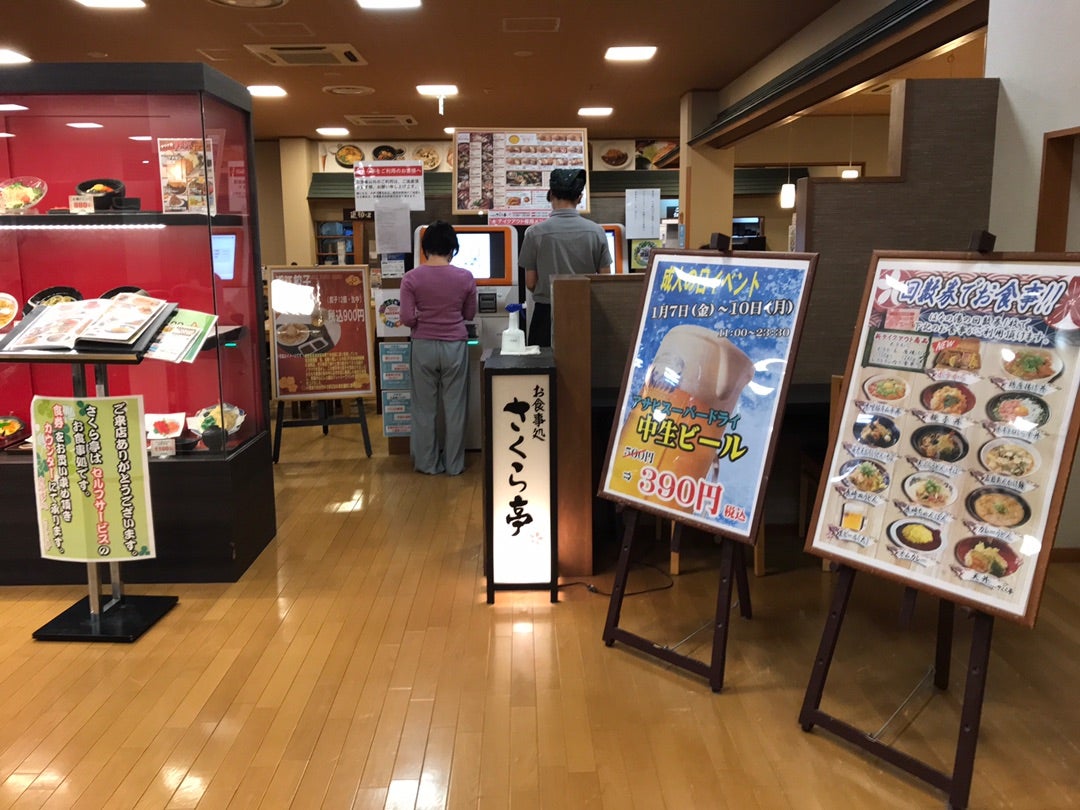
(695, 379)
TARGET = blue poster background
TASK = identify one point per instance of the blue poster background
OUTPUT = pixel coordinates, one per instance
(753, 303)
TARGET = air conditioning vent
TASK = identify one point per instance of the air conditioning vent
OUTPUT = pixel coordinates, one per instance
(302, 55)
(530, 25)
(381, 120)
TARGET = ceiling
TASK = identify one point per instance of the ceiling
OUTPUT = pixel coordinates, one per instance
(525, 64)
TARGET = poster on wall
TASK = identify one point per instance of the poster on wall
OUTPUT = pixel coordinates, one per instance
(91, 479)
(946, 471)
(509, 169)
(388, 314)
(321, 332)
(703, 393)
(389, 185)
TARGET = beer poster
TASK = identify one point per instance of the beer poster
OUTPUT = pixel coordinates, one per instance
(705, 385)
(91, 479)
(958, 427)
(321, 332)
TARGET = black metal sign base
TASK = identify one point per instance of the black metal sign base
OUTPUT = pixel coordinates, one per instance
(123, 621)
(732, 572)
(957, 784)
(324, 419)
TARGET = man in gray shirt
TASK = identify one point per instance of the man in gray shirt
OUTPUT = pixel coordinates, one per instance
(566, 243)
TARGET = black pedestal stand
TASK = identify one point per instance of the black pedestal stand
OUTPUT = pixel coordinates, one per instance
(325, 419)
(732, 572)
(957, 784)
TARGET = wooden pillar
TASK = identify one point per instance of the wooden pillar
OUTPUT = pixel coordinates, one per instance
(706, 175)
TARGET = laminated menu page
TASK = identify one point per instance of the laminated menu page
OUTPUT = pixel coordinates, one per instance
(187, 175)
(120, 320)
(950, 461)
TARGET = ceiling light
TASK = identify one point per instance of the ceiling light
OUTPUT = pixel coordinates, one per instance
(266, 91)
(139, 138)
(386, 5)
(449, 130)
(849, 173)
(787, 195)
(630, 53)
(249, 3)
(112, 3)
(85, 125)
(6, 135)
(10, 57)
(437, 89)
(595, 111)
(333, 132)
(11, 107)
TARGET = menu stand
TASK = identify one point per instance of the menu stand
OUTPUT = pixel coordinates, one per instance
(325, 419)
(957, 784)
(732, 572)
(124, 617)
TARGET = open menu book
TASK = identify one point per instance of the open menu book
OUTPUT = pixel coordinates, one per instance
(99, 322)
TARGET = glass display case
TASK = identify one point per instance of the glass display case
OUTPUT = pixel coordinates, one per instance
(164, 151)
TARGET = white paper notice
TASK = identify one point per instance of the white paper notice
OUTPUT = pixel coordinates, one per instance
(392, 228)
(642, 213)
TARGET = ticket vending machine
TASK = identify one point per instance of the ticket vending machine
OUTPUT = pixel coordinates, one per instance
(616, 242)
(490, 253)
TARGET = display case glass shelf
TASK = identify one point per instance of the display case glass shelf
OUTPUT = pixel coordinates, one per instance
(173, 143)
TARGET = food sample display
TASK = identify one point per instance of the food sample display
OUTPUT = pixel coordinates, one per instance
(958, 412)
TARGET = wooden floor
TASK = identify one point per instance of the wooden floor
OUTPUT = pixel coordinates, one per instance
(357, 664)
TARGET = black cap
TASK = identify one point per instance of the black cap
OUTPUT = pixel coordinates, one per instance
(567, 184)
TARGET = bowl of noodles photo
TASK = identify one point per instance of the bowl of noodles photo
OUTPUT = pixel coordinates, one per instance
(885, 388)
(865, 475)
(949, 398)
(1030, 363)
(939, 443)
(998, 506)
(930, 490)
(1010, 457)
(987, 555)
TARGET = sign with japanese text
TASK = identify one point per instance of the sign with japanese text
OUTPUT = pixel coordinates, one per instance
(509, 170)
(695, 426)
(946, 471)
(397, 413)
(321, 332)
(394, 365)
(387, 182)
(521, 464)
(91, 479)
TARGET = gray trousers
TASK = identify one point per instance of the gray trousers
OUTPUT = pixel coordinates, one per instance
(440, 376)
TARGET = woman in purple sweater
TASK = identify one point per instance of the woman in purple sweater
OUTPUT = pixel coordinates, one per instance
(437, 299)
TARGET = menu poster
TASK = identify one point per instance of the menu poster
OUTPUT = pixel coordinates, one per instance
(696, 421)
(187, 175)
(510, 169)
(321, 332)
(91, 479)
(946, 469)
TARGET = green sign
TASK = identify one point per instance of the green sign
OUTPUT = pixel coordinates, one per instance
(91, 479)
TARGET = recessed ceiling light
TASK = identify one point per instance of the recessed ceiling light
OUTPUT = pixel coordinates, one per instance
(333, 132)
(112, 3)
(10, 57)
(386, 5)
(348, 89)
(449, 130)
(630, 53)
(11, 107)
(139, 138)
(266, 91)
(595, 111)
(437, 89)
(85, 125)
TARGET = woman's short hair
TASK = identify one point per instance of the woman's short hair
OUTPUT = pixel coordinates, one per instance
(439, 239)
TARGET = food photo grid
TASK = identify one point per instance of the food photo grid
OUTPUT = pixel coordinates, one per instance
(957, 414)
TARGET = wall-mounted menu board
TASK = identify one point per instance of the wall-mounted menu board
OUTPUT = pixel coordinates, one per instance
(497, 170)
(704, 387)
(958, 427)
(320, 331)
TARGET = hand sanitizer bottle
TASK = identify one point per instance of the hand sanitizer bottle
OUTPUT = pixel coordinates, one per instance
(513, 339)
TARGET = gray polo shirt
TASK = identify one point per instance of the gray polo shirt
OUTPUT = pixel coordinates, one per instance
(565, 243)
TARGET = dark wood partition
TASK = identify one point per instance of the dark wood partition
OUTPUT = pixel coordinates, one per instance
(594, 318)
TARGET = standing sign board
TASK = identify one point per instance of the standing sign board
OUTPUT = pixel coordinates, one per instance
(959, 424)
(509, 169)
(91, 479)
(321, 332)
(702, 394)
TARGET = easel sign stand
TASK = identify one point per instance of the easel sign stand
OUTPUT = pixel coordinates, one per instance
(124, 617)
(961, 399)
(698, 414)
(321, 334)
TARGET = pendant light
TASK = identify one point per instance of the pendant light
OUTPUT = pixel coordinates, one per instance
(787, 191)
(850, 173)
